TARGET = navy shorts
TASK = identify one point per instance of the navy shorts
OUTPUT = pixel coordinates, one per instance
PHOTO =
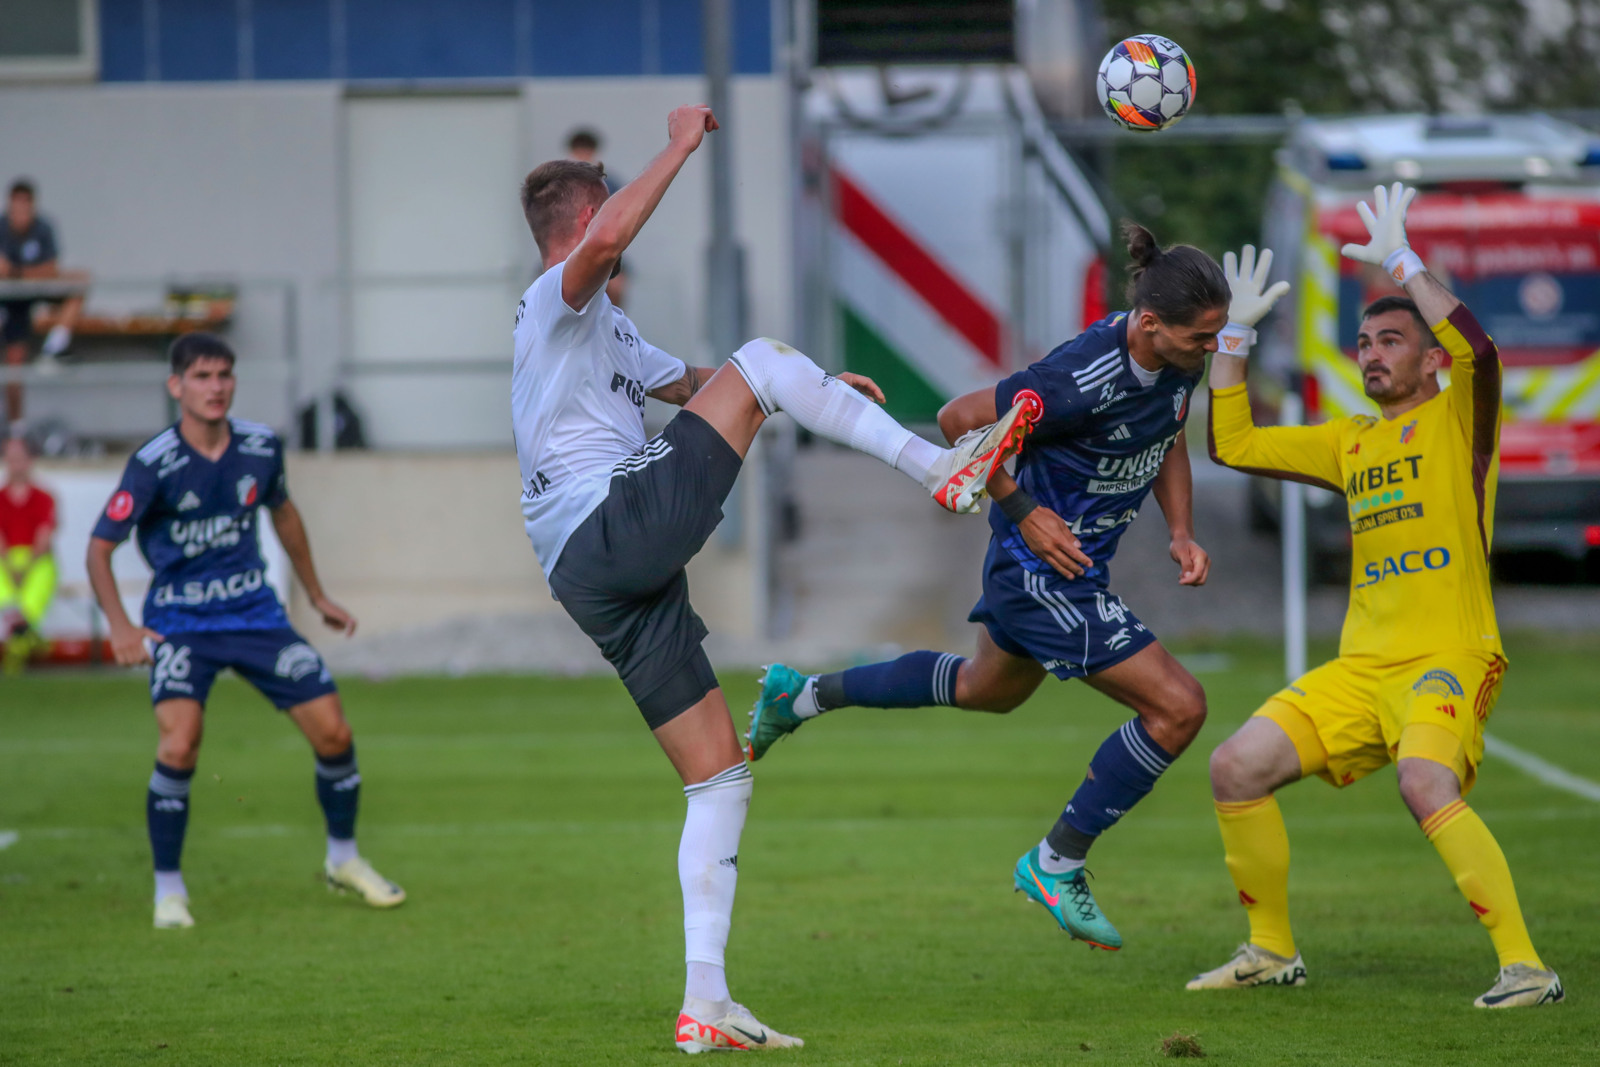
(1072, 628)
(279, 663)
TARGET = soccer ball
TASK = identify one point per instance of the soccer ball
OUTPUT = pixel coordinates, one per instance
(1146, 83)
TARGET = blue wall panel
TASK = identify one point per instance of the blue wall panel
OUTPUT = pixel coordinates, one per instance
(594, 37)
(293, 39)
(199, 40)
(406, 39)
(752, 36)
(121, 40)
(422, 39)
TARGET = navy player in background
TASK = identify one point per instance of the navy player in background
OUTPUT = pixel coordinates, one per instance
(193, 493)
(1115, 399)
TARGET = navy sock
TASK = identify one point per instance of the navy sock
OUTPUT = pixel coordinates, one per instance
(1122, 772)
(915, 680)
(166, 814)
(339, 792)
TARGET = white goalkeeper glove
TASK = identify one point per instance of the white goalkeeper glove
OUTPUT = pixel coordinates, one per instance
(1387, 225)
(1248, 303)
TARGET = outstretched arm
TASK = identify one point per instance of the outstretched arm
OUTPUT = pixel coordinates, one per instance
(1174, 491)
(291, 531)
(624, 214)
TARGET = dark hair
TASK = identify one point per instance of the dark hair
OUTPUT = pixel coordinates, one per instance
(23, 186)
(554, 192)
(1400, 303)
(1177, 283)
(190, 348)
(583, 138)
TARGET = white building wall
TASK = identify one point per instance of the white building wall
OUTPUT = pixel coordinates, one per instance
(249, 182)
(147, 183)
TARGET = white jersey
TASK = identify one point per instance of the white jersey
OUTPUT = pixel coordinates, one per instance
(577, 405)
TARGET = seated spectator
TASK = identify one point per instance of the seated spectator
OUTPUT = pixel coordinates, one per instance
(27, 566)
(28, 250)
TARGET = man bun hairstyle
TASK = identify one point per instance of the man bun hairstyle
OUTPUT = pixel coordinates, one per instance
(1178, 284)
(190, 348)
(1402, 303)
(553, 193)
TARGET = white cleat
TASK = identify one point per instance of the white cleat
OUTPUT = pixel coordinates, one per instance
(172, 913)
(1252, 966)
(1523, 986)
(358, 876)
(704, 1026)
(961, 477)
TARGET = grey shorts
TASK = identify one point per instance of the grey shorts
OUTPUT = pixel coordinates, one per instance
(621, 574)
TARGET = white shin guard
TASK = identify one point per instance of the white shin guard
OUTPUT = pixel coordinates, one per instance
(708, 869)
(785, 379)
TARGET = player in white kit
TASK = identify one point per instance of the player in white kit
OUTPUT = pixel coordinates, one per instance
(614, 519)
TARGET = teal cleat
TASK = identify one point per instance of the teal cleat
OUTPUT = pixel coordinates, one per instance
(1067, 897)
(773, 716)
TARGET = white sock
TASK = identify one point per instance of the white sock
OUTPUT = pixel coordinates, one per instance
(1050, 863)
(169, 883)
(805, 705)
(341, 852)
(708, 870)
(785, 379)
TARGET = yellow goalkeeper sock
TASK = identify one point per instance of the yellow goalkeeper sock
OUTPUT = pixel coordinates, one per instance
(1480, 870)
(1257, 847)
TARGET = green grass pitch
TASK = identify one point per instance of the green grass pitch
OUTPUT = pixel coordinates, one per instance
(535, 825)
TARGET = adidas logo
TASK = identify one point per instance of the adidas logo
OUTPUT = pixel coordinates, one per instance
(1120, 433)
(189, 501)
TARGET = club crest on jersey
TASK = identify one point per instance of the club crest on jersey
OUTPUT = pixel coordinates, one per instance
(1407, 430)
(1180, 404)
(247, 490)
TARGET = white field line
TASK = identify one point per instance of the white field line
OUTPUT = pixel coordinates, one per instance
(1546, 772)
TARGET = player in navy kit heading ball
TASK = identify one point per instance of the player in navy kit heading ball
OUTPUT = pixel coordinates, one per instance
(194, 494)
(1114, 399)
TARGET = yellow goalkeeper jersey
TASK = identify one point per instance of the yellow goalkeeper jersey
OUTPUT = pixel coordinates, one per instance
(1420, 493)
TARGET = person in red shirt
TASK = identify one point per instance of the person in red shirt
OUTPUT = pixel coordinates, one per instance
(27, 566)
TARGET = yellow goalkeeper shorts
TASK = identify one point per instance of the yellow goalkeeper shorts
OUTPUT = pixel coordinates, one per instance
(1359, 710)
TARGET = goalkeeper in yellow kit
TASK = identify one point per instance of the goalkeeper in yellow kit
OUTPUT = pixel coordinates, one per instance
(1420, 661)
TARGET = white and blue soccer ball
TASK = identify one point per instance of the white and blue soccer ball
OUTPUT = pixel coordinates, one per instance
(1146, 83)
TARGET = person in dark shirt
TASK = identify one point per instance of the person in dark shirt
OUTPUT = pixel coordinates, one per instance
(28, 250)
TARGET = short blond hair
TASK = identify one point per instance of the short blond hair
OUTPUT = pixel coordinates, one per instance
(554, 193)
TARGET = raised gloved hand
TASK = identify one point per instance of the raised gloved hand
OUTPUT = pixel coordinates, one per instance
(1248, 303)
(1386, 223)
(1246, 276)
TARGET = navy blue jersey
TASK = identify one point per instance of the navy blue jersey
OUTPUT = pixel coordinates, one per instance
(1102, 438)
(196, 521)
